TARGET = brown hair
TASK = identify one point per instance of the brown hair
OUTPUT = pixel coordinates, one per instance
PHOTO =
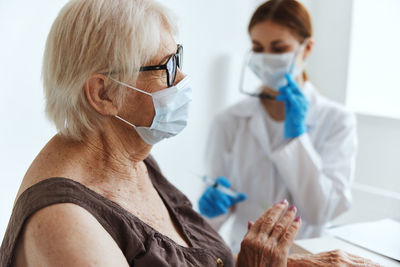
(288, 13)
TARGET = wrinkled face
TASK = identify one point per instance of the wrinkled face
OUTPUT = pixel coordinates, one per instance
(270, 37)
(138, 107)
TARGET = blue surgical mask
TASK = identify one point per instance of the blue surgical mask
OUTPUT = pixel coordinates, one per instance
(171, 107)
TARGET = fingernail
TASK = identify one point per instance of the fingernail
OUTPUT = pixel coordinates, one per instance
(283, 201)
(292, 207)
(249, 225)
(298, 219)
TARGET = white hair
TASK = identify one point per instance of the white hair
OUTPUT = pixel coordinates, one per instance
(97, 36)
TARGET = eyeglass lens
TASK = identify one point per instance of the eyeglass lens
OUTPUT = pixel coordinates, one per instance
(171, 69)
(174, 62)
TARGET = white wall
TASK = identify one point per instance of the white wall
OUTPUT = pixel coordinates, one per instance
(373, 86)
(373, 91)
(377, 177)
(328, 64)
(378, 158)
(24, 130)
(377, 161)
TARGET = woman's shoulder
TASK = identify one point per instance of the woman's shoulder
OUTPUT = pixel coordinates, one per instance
(325, 108)
(63, 233)
(53, 160)
(57, 208)
(243, 109)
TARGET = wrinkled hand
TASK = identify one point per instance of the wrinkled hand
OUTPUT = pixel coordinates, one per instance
(296, 106)
(336, 258)
(214, 202)
(268, 241)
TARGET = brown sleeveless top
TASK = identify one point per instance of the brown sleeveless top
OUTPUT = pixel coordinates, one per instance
(141, 244)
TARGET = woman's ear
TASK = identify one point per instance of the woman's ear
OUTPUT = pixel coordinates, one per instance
(98, 97)
(309, 47)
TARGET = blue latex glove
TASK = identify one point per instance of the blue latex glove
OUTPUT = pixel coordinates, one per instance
(214, 203)
(296, 106)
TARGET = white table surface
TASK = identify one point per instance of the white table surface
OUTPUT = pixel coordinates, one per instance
(322, 244)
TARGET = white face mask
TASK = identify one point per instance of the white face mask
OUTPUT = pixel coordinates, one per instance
(171, 107)
(271, 68)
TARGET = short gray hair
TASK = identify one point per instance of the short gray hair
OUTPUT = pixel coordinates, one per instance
(97, 36)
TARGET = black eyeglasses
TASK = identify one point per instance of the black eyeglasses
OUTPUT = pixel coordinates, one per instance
(174, 62)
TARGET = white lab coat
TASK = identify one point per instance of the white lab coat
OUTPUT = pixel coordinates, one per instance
(314, 171)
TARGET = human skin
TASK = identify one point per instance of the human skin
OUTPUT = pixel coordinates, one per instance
(270, 37)
(268, 241)
(109, 162)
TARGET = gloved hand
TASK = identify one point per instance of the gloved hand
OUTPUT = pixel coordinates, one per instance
(214, 203)
(296, 106)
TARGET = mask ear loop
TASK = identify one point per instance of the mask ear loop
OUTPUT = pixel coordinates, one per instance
(241, 80)
(131, 87)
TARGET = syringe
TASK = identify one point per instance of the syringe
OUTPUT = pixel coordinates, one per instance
(212, 182)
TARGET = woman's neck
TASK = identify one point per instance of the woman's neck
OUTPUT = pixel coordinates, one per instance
(274, 108)
(115, 153)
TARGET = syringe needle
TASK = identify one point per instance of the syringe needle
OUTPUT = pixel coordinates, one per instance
(212, 182)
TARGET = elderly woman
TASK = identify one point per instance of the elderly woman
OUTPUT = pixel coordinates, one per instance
(93, 196)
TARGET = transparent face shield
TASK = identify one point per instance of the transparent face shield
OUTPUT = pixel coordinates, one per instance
(266, 70)
(261, 70)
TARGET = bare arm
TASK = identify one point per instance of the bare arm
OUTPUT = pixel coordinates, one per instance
(268, 241)
(67, 235)
(331, 258)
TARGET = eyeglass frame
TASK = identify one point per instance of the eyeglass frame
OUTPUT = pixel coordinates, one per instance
(177, 57)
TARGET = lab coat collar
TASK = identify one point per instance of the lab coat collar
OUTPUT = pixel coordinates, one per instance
(312, 95)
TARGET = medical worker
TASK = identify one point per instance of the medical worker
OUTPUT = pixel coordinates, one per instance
(286, 141)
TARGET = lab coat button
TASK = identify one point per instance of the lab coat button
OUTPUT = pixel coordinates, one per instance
(220, 262)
